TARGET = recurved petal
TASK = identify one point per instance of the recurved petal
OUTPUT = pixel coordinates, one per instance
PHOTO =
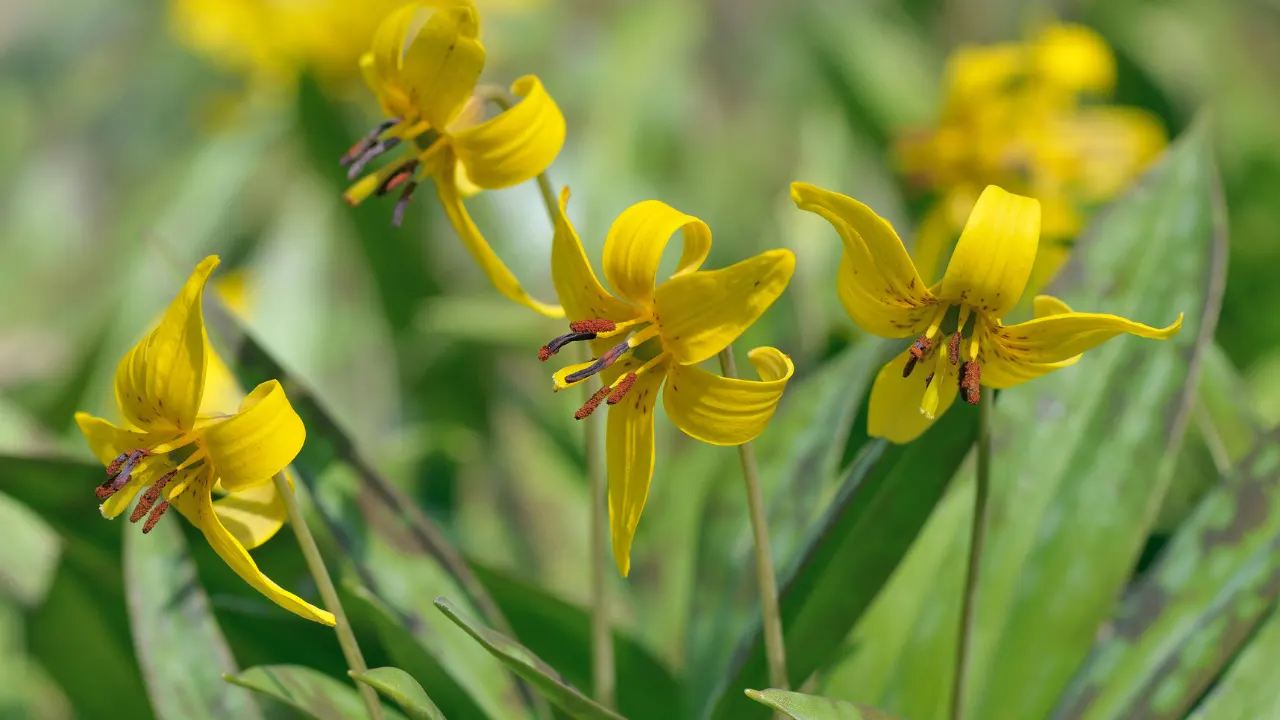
(517, 144)
(894, 413)
(1114, 145)
(502, 278)
(727, 411)
(197, 505)
(254, 514)
(995, 254)
(633, 248)
(443, 63)
(106, 441)
(1065, 335)
(388, 48)
(580, 292)
(878, 284)
(258, 441)
(698, 314)
(160, 382)
(629, 448)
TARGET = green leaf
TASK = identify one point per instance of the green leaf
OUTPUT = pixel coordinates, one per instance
(1214, 584)
(560, 633)
(398, 552)
(180, 648)
(1082, 460)
(530, 667)
(403, 689)
(29, 556)
(409, 646)
(1248, 691)
(315, 694)
(811, 707)
(886, 497)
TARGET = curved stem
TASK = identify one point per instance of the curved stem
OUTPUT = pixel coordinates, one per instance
(315, 563)
(774, 647)
(977, 538)
(602, 661)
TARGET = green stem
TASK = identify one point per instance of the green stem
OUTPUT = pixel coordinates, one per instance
(977, 538)
(315, 563)
(602, 661)
(774, 648)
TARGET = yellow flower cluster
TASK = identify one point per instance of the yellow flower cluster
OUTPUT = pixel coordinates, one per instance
(649, 336)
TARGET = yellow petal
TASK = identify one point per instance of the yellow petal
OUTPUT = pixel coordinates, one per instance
(1046, 305)
(159, 383)
(700, 313)
(894, 413)
(1113, 146)
(994, 256)
(976, 72)
(484, 255)
(634, 245)
(581, 293)
(197, 505)
(727, 411)
(517, 144)
(629, 448)
(107, 442)
(1076, 59)
(252, 515)
(258, 441)
(388, 48)
(1065, 335)
(877, 283)
(443, 63)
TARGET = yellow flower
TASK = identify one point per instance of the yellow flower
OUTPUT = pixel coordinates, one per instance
(182, 457)
(1013, 116)
(961, 342)
(423, 71)
(273, 41)
(667, 331)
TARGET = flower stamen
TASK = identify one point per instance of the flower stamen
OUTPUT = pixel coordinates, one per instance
(921, 347)
(622, 387)
(397, 178)
(591, 404)
(155, 517)
(370, 154)
(609, 357)
(366, 142)
(953, 348)
(150, 496)
(120, 471)
(397, 214)
(970, 382)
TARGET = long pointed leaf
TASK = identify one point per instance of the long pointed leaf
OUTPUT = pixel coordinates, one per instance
(314, 694)
(811, 707)
(404, 690)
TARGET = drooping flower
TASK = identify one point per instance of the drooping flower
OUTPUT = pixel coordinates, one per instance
(1014, 115)
(647, 336)
(423, 71)
(181, 458)
(961, 343)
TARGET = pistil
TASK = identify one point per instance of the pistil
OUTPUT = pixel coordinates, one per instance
(120, 471)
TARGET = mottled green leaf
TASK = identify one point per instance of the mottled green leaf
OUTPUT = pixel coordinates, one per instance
(799, 706)
(886, 498)
(1082, 459)
(403, 689)
(1212, 586)
(530, 667)
(1248, 690)
(180, 648)
(315, 694)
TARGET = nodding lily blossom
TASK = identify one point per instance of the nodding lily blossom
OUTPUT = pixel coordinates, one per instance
(961, 343)
(182, 458)
(1014, 115)
(648, 336)
(423, 68)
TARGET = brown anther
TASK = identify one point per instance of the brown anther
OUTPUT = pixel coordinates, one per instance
(593, 325)
(953, 348)
(150, 496)
(397, 214)
(971, 381)
(909, 367)
(592, 403)
(623, 387)
(105, 490)
(928, 380)
(155, 517)
(920, 347)
(545, 354)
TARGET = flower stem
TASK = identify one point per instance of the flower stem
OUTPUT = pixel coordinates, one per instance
(315, 563)
(602, 667)
(977, 538)
(774, 648)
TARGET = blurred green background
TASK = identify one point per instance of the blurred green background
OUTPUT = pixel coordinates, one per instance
(135, 138)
